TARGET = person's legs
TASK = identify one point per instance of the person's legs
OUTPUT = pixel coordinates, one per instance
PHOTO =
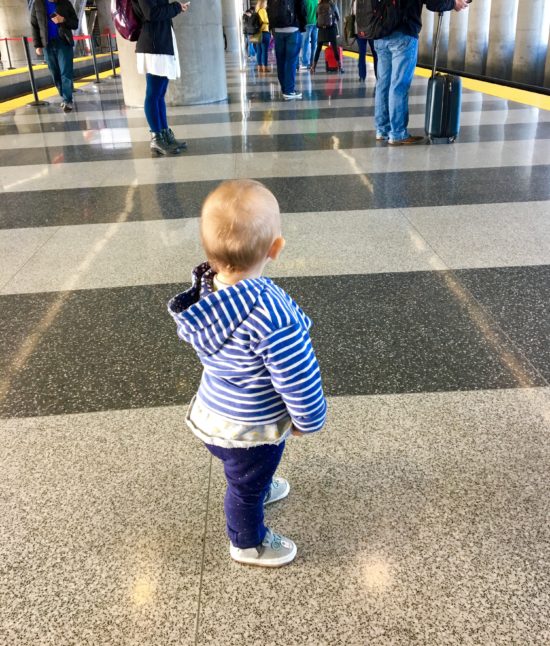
(52, 61)
(248, 473)
(293, 43)
(362, 64)
(266, 37)
(65, 58)
(306, 46)
(259, 52)
(313, 41)
(381, 105)
(163, 87)
(317, 52)
(404, 50)
(280, 57)
(374, 57)
(151, 105)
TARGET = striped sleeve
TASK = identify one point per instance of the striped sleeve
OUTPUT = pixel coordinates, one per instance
(288, 355)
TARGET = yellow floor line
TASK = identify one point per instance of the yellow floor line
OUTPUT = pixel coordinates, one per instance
(20, 102)
(541, 101)
(43, 66)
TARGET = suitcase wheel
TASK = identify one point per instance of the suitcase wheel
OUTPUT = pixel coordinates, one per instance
(451, 140)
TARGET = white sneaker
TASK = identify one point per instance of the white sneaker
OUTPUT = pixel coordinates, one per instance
(279, 489)
(274, 551)
(292, 95)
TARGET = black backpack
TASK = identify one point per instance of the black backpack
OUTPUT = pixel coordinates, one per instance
(325, 15)
(281, 13)
(377, 18)
(251, 24)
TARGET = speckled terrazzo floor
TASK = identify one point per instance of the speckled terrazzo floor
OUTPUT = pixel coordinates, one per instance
(421, 513)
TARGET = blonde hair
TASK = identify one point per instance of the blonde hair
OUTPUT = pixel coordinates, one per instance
(261, 4)
(240, 219)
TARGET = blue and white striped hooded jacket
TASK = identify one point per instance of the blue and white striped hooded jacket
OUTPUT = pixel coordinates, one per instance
(253, 342)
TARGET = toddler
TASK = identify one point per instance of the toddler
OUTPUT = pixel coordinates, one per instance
(261, 380)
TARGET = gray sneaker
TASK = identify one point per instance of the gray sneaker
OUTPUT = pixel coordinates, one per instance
(67, 106)
(279, 489)
(274, 551)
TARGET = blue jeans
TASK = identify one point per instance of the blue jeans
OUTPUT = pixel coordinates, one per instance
(396, 62)
(309, 43)
(249, 473)
(287, 49)
(59, 58)
(362, 44)
(262, 48)
(155, 105)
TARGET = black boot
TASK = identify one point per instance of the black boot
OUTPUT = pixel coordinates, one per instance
(160, 146)
(170, 139)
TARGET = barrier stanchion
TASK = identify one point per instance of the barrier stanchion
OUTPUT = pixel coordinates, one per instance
(37, 101)
(11, 67)
(94, 59)
(111, 54)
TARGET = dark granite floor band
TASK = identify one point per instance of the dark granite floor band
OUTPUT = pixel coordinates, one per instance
(381, 333)
(289, 114)
(295, 195)
(257, 143)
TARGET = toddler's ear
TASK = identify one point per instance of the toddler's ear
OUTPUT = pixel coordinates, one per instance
(276, 248)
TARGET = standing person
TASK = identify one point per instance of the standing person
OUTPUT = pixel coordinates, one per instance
(52, 26)
(262, 47)
(396, 44)
(287, 19)
(309, 37)
(157, 58)
(362, 45)
(261, 380)
(327, 23)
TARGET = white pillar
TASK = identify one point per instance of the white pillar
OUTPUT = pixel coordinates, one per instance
(529, 52)
(425, 44)
(200, 43)
(14, 23)
(502, 33)
(547, 66)
(458, 33)
(479, 14)
(104, 17)
(133, 84)
(231, 14)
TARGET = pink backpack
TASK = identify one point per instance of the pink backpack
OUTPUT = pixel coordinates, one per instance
(127, 22)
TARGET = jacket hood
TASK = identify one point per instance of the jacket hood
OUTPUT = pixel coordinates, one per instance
(207, 318)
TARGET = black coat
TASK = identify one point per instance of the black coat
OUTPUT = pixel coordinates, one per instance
(328, 34)
(156, 32)
(39, 22)
(299, 13)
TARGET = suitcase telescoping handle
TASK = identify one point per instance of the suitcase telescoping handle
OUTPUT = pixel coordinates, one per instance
(436, 44)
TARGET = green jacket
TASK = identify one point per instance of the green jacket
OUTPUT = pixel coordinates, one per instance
(311, 12)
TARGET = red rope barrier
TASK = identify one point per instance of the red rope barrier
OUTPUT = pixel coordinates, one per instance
(29, 38)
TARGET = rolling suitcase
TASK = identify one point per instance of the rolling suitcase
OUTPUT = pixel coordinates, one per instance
(443, 101)
(331, 64)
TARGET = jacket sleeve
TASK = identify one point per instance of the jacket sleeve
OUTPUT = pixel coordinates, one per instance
(35, 29)
(153, 11)
(301, 14)
(71, 19)
(440, 5)
(288, 355)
